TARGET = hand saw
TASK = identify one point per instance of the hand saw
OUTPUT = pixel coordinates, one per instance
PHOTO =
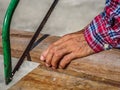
(8, 73)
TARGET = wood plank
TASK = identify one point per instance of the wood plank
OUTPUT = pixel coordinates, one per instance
(40, 79)
(102, 67)
(19, 41)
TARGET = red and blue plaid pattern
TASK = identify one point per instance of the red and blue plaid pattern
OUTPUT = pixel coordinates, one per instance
(105, 28)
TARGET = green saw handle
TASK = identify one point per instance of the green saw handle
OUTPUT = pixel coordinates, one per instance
(6, 40)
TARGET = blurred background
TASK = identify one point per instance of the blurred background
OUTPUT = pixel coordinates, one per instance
(68, 16)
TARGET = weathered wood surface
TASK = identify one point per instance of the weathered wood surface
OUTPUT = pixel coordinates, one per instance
(41, 79)
(102, 68)
(19, 41)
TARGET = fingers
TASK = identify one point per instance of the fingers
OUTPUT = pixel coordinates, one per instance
(66, 60)
(63, 51)
(44, 54)
(49, 58)
(57, 57)
(59, 42)
(50, 49)
(53, 54)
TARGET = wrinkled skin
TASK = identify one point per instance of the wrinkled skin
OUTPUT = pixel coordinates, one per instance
(66, 49)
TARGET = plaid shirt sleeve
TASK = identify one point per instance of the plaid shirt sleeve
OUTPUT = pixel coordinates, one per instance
(104, 31)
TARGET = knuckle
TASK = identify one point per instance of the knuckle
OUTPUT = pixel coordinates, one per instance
(51, 51)
(52, 46)
(55, 49)
(67, 58)
(57, 54)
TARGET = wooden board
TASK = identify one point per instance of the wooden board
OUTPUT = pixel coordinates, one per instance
(41, 79)
(102, 68)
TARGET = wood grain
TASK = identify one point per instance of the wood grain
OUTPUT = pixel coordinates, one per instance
(101, 68)
(40, 79)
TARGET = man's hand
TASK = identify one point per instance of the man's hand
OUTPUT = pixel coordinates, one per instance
(67, 48)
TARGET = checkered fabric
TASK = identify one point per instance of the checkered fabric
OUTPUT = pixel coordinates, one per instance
(104, 30)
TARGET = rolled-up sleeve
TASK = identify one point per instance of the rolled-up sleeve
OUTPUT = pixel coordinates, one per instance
(104, 31)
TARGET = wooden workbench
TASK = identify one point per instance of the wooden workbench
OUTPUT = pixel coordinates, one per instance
(100, 71)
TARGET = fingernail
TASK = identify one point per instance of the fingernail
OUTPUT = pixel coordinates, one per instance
(47, 65)
(42, 58)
